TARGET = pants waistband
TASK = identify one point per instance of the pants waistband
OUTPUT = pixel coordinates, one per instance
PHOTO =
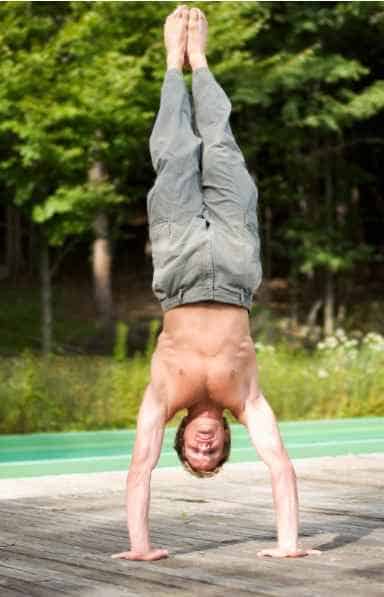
(197, 294)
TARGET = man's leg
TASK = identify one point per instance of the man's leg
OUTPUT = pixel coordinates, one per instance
(228, 187)
(229, 191)
(175, 203)
(175, 149)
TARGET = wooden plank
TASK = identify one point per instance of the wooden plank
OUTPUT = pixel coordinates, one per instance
(62, 545)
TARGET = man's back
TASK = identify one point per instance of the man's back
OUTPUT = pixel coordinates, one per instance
(204, 352)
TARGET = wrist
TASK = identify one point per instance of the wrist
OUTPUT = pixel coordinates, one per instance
(198, 60)
(175, 61)
(139, 542)
(289, 547)
(141, 548)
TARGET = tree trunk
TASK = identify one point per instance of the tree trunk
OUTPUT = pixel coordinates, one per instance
(329, 303)
(101, 262)
(101, 250)
(293, 304)
(312, 315)
(341, 314)
(329, 287)
(46, 297)
(268, 242)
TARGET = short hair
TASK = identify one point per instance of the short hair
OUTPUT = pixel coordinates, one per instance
(179, 447)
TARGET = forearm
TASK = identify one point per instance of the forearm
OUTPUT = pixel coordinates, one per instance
(138, 499)
(284, 488)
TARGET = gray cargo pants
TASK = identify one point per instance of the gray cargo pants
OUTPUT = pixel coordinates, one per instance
(202, 207)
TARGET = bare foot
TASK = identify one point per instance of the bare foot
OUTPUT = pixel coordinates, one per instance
(175, 37)
(197, 38)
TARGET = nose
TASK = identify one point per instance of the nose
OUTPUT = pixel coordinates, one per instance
(204, 446)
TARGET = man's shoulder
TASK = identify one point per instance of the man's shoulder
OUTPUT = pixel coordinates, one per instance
(154, 404)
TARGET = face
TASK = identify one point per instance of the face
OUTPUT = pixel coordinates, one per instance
(203, 443)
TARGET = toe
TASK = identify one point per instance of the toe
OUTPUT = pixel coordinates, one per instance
(193, 18)
(202, 15)
(194, 14)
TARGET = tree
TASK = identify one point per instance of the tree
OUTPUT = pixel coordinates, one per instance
(62, 89)
(81, 84)
(305, 97)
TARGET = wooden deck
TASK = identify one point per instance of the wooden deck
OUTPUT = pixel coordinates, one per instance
(57, 539)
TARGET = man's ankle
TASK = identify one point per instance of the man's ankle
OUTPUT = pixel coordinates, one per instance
(175, 61)
(197, 61)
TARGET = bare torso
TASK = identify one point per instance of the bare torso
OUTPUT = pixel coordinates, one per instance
(204, 353)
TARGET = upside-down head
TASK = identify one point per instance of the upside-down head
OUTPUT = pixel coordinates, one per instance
(203, 444)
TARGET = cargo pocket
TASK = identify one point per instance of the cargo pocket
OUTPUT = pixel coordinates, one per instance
(254, 270)
(160, 238)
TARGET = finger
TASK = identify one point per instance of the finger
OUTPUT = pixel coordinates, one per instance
(157, 554)
(123, 555)
(315, 552)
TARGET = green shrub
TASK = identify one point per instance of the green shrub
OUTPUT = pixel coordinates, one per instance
(342, 377)
(120, 348)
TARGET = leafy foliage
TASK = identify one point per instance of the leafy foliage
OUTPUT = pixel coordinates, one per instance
(81, 83)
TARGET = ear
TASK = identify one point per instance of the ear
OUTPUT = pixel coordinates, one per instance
(227, 434)
(227, 430)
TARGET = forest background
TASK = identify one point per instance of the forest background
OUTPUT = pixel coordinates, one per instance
(79, 89)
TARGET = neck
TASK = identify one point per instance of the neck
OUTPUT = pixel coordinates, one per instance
(206, 409)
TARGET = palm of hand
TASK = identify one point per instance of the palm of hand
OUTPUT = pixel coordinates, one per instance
(278, 552)
(151, 555)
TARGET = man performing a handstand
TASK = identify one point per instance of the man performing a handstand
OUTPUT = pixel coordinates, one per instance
(203, 229)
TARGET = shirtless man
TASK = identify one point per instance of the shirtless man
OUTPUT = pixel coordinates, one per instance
(203, 228)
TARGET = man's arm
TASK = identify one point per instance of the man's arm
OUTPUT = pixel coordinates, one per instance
(262, 426)
(146, 452)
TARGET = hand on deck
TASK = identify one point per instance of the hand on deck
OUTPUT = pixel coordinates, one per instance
(279, 552)
(147, 556)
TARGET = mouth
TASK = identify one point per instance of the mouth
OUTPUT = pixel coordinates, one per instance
(205, 435)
